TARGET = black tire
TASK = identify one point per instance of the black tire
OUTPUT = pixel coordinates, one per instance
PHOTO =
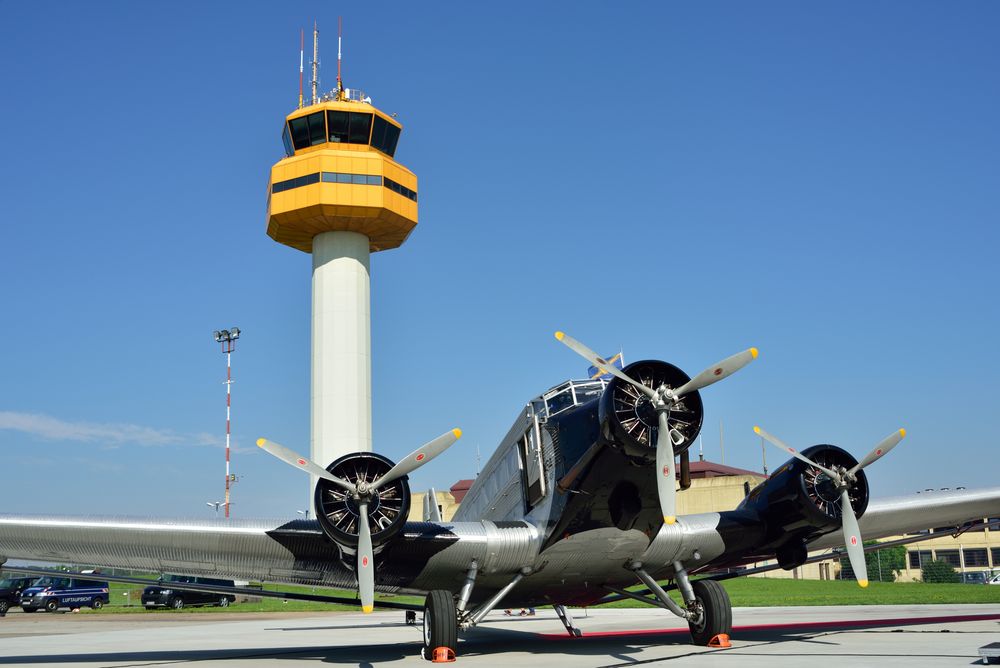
(4, 607)
(177, 603)
(717, 611)
(51, 605)
(97, 604)
(440, 623)
(224, 602)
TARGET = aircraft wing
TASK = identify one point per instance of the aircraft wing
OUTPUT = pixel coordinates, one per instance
(425, 555)
(905, 514)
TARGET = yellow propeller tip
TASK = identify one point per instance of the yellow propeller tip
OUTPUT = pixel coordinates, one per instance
(754, 353)
(261, 442)
(862, 583)
(756, 429)
(560, 335)
(367, 609)
(457, 432)
(902, 433)
(669, 520)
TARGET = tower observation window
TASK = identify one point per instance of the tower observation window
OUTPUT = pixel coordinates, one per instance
(349, 127)
(308, 130)
(287, 141)
(385, 135)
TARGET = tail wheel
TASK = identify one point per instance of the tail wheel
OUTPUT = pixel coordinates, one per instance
(716, 612)
(440, 622)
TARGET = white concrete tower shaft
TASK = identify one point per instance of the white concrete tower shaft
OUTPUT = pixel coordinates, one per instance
(341, 346)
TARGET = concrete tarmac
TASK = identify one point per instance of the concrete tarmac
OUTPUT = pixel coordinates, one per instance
(763, 637)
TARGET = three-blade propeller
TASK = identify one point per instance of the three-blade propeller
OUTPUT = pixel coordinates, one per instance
(362, 494)
(842, 479)
(663, 398)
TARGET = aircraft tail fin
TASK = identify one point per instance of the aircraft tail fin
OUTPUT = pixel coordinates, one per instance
(431, 511)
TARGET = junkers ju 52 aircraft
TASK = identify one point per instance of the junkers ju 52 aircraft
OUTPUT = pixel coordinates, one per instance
(576, 504)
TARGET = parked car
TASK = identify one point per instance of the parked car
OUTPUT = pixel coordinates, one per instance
(975, 577)
(10, 592)
(162, 595)
(995, 580)
(53, 592)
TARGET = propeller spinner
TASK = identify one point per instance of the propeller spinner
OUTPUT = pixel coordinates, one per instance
(662, 399)
(843, 479)
(362, 492)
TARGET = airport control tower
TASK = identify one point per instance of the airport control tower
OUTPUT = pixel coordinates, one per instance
(340, 195)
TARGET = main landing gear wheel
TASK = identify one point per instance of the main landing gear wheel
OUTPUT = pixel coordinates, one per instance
(440, 623)
(716, 612)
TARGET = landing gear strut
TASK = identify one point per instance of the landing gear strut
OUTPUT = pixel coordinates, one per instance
(707, 608)
(440, 623)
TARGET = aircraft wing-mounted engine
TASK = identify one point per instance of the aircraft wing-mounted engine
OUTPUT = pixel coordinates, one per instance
(339, 512)
(362, 499)
(822, 488)
(649, 401)
(629, 420)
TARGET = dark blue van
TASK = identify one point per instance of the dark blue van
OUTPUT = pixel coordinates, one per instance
(54, 592)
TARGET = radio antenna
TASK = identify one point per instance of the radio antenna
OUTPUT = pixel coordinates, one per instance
(315, 62)
(302, 51)
(340, 35)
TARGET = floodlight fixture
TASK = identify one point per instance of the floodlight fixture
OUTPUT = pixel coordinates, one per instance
(227, 337)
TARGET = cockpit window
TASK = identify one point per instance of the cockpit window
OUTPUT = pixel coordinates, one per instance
(349, 127)
(308, 130)
(385, 135)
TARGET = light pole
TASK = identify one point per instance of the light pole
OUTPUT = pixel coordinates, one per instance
(228, 341)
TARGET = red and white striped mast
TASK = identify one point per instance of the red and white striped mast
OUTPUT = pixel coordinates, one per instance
(228, 341)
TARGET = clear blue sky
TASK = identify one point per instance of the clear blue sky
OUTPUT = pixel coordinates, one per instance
(681, 181)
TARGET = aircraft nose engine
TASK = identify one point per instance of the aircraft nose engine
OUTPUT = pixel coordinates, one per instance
(630, 421)
(338, 510)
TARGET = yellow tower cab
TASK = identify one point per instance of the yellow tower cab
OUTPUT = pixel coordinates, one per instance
(339, 173)
(339, 195)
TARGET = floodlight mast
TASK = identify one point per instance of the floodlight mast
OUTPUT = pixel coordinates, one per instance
(228, 341)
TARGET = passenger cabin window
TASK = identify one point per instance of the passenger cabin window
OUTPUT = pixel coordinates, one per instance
(308, 130)
(349, 127)
(385, 135)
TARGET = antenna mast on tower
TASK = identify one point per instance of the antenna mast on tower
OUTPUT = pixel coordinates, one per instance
(302, 51)
(315, 63)
(340, 35)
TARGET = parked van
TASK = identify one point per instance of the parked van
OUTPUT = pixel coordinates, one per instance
(52, 592)
(10, 591)
(162, 595)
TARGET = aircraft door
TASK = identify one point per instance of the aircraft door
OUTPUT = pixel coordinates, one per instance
(533, 464)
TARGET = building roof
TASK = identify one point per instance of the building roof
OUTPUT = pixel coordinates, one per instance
(707, 469)
(460, 489)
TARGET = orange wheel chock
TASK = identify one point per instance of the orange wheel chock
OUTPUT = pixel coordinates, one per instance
(721, 640)
(443, 655)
